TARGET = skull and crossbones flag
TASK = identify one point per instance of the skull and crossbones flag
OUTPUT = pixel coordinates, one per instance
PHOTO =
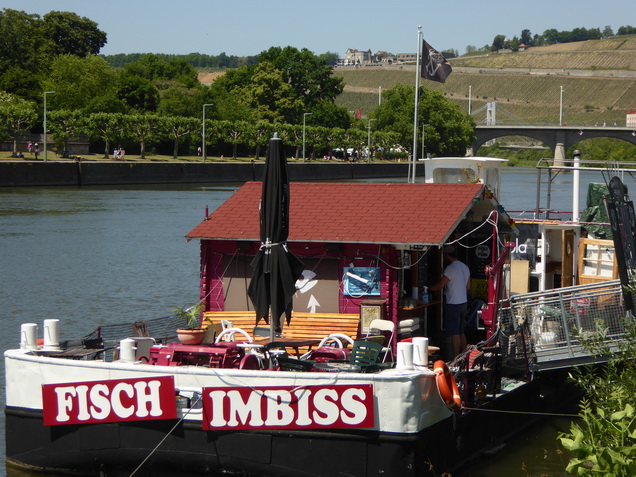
(434, 65)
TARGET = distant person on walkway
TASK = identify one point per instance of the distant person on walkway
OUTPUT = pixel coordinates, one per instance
(30, 147)
(456, 284)
(36, 150)
(199, 151)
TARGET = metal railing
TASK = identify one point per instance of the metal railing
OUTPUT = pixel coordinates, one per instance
(554, 324)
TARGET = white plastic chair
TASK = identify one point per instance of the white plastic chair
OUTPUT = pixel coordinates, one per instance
(384, 325)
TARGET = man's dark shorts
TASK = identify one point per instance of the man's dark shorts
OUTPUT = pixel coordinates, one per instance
(455, 318)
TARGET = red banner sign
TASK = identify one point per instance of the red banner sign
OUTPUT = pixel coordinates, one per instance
(288, 407)
(109, 401)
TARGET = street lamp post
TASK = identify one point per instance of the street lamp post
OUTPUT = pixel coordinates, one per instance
(369, 139)
(561, 107)
(203, 150)
(45, 131)
(423, 143)
(304, 118)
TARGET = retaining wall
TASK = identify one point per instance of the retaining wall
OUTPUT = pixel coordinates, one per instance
(20, 174)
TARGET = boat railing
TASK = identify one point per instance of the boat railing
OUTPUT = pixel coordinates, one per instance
(557, 324)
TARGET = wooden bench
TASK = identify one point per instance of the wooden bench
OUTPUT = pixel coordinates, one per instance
(313, 326)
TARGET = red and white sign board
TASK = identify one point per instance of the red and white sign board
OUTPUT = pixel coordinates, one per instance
(109, 401)
(288, 407)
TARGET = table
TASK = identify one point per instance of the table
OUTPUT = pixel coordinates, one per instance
(294, 343)
(419, 311)
(331, 367)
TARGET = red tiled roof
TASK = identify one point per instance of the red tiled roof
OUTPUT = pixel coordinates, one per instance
(388, 213)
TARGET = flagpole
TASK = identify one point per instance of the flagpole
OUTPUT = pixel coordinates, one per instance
(417, 101)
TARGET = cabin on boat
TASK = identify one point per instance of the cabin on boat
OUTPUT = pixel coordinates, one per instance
(368, 248)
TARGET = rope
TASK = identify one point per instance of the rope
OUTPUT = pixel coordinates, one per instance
(165, 437)
(545, 414)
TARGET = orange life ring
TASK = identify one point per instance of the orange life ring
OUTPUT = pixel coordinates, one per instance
(447, 386)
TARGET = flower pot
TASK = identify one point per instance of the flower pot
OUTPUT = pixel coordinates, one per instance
(191, 337)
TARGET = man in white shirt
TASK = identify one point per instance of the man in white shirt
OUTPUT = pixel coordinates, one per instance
(456, 285)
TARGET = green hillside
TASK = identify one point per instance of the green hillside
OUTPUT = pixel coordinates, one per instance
(525, 85)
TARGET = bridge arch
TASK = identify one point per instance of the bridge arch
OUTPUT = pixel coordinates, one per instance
(558, 138)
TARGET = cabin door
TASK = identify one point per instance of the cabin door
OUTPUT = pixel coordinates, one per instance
(567, 258)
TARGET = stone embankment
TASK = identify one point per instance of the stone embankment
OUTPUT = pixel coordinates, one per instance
(81, 173)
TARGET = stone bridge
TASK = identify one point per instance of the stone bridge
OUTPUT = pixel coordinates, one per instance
(558, 138)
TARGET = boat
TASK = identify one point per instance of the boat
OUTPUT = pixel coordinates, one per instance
(130, 399)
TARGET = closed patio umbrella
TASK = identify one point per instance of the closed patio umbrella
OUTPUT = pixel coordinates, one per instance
(276, 269)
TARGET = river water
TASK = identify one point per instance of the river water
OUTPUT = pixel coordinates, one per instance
(118, 254)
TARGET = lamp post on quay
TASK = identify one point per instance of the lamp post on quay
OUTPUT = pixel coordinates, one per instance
(369, 140)
(203, 150)
(304, 118)
(45, 131)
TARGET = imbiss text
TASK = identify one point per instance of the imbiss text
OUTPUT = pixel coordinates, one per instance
(310, 407)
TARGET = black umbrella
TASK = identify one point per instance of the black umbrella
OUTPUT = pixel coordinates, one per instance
(276, 269)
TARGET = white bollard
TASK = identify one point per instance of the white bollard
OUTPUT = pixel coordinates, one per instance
(420, 352)
(404, 355)
(127, 350)
(52, 334)
(28, 336)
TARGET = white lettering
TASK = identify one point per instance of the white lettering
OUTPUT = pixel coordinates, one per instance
(151, 398)
(520, 248)
(244, 409)
(326, 412)
(118, 406)
(64, 402)
(352, 402)
(303, 396)
(82, 401)
(100, 408)
(279, 411)
(217, 398)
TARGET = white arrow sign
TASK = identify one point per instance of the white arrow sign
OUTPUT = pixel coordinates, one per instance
(313, 303)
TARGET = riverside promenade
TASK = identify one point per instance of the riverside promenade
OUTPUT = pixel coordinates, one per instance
(26, 173)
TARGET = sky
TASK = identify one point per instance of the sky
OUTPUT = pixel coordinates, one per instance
(247, 27)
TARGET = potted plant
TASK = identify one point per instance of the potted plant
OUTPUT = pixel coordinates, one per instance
(191, 333)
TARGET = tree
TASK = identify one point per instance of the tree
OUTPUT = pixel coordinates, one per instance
(179, 127)
(526, 37)
(143, 128)
(626, 30)
(71, 34)
(270, 96)
(177, 100)
(105, 126)
(449, 131)
(21, 82)
(16, 117)
(310, 77)
(65, 125)
(235, 131)
(328, 113)
(138, 93)
(79, 81)
(498, 42)
(258, 135)
(607, 32)
(22, 42)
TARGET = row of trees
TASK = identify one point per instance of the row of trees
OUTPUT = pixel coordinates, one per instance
(550, 37)
(447, 130)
